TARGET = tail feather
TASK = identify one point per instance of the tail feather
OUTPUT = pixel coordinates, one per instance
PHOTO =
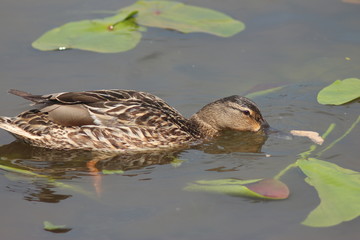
(28, 96)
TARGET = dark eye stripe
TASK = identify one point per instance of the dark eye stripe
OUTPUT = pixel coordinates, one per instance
(246, 112)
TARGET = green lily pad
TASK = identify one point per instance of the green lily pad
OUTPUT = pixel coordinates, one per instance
(48, 226)
(121, 32)
(340, 92)
(256, 188)
(184, 18)
(338, 189)
(118, 33)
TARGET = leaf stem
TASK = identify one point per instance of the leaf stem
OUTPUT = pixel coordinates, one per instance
(304, 155)
(340, 138)
(287, 168)
(329, 130)
(312, 148)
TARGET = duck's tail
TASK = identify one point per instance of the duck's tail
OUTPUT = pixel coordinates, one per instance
(36, 99)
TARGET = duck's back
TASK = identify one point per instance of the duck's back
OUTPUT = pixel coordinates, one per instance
(106, 120)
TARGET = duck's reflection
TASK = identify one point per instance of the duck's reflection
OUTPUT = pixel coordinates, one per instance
(246, 142)
(69, 164)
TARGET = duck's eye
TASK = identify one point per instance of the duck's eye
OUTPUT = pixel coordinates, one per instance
(246, 112)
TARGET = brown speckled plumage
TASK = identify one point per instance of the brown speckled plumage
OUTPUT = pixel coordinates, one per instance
(124, 120)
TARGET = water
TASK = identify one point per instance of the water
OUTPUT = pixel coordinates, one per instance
(302, 45)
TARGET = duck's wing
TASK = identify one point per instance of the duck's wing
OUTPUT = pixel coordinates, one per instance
(108, 108)
(85, 97)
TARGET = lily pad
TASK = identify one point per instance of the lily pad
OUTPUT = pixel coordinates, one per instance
(338, 189)
(340, 92)
(257, 188)
(184, 18)
(118, 33)
(121, 32)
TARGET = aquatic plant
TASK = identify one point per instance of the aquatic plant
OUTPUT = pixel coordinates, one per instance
(122, 31)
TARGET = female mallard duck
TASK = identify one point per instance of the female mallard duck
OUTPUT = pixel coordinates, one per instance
(124, 120)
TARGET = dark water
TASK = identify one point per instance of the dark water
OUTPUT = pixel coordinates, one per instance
(303, 45)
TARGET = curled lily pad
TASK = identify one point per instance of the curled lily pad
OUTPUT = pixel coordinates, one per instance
(118, 33)
(257, 188)
(184, 18)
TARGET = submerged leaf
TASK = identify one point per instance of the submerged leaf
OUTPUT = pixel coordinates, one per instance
(177, 162)
(48, 226)
(338, 189)
(49, 179)
(257, 188)
(110, 172)
(263, 92)
(184, 18)
(118, 33)
(340, 92)
(21, 171)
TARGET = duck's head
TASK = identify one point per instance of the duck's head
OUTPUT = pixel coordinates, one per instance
(230, 113)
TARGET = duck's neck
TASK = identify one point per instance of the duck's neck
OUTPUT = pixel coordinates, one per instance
(205, 129)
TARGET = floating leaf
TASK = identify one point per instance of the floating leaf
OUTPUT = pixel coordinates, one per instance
(184, 18)
(257, 188)
(270, 188)
(48, 226)
(118, 33)
(121, 32)
(340, 92)
(338, 189)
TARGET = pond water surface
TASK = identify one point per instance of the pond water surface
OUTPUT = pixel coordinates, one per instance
(301, 45)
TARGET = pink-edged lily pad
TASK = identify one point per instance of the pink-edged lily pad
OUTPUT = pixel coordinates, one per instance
(256, 188)
(270, 188)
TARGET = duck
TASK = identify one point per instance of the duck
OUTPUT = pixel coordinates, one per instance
(125, 121)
